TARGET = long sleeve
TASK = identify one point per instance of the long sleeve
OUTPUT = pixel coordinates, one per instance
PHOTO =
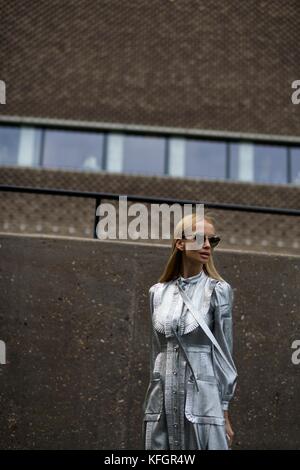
(154, 349)
(223, 330)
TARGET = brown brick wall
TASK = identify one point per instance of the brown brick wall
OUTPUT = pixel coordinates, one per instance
(185, 63)
(75, 216)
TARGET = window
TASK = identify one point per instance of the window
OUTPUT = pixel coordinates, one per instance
(136, 154)
(205, 159)
(19, 145)
(270, 164)
(259, 163)
(176, 163)
(114, 159)
(73, 149)
(295, 165)
(145, 155)
(180, 156)
(9, 145)
(242, 162)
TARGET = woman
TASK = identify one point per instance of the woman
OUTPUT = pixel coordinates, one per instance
(192, 373)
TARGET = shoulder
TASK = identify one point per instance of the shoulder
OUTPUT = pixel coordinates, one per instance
(154, 291)
(223, 293)
(159, 286)
(155, 294)
(223, 286)
(154, 287)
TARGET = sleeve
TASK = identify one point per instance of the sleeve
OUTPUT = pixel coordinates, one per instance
(154, 349)
(223, 331)
(154, 346)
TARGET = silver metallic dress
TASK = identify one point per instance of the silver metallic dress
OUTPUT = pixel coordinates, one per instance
(190, 383)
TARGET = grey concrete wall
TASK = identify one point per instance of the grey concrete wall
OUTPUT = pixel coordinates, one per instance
(74, 316)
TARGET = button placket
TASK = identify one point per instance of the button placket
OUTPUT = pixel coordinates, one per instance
(175, 395)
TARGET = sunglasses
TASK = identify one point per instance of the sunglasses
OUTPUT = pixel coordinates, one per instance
(200, 237)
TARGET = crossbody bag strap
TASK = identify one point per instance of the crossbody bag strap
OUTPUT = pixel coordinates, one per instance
(202, 323)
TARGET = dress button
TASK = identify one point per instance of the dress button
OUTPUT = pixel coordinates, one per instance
(175, 409)
(175, 425)
(174, 372)
(174, 392)
(175, 348)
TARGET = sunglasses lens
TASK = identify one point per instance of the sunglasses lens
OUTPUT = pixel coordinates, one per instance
(200, 238)
(214, 241)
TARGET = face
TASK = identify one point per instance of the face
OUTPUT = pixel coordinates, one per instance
(202, 254)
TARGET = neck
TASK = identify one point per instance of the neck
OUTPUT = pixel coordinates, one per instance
(189, 269)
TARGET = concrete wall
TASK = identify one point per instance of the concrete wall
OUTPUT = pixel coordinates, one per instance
(75, 319)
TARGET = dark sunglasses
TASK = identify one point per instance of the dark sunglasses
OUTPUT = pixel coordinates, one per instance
(200, 237)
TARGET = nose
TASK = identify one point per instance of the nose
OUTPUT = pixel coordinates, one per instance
(206, 244)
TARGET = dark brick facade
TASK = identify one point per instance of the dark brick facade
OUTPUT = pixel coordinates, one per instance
(67, 216)
(191, 64)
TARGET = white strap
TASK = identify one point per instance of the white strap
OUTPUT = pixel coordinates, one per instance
(202, 323)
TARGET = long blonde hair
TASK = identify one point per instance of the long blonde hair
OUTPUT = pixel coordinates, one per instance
(173, 266)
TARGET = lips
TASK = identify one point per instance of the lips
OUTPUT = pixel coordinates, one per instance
(206, 255)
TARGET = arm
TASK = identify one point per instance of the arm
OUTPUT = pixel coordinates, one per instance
(154, 349)
(223, 332)
(153, 343)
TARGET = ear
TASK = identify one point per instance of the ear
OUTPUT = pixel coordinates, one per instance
(180, 244)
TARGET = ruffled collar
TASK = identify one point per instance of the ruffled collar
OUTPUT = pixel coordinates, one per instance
(166, 303)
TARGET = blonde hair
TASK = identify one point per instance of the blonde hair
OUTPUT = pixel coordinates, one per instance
(173, 266)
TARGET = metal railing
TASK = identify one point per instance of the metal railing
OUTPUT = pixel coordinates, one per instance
(98, 196)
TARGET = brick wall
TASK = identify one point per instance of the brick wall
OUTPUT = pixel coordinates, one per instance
(194, 64)
(67, 216)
